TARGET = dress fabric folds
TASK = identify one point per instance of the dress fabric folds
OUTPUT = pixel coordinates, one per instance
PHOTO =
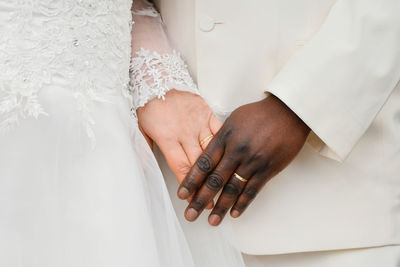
(79, 185)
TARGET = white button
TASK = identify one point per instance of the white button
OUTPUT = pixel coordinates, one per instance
(301, 43)
(207, 24)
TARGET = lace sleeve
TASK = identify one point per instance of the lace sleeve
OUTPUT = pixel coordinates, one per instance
(155, 67)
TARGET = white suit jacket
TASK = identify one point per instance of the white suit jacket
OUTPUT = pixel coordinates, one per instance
(337, 65)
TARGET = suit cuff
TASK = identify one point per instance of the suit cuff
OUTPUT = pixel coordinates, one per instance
(332, 136)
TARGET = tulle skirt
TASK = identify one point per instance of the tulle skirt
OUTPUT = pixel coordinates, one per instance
(65, 201)
(72, 197)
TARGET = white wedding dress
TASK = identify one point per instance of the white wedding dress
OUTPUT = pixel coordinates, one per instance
(79, 185)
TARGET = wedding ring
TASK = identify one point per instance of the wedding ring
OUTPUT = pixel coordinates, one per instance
(202, 142)
(240, 177)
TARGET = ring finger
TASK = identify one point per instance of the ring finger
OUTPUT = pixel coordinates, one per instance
(249, 193)
(232, 189)
(205, 138)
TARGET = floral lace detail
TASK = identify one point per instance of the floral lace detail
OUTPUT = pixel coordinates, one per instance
(83, 46)
(153, 75)
(147, 11)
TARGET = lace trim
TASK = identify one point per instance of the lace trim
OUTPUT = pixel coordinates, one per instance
(153, 75)
(16, 106)
(148, 11)
(151, 12)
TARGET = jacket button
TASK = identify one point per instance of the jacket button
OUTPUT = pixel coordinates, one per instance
(301, 43)
(207, 24)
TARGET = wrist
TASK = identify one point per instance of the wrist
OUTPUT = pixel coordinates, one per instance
(287, 114)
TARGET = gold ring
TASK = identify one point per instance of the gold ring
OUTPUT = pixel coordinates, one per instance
(202, 142)
(240, 177)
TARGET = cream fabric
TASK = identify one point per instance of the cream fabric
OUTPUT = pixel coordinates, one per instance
(339, 73)
(372, 257)
(79, 185)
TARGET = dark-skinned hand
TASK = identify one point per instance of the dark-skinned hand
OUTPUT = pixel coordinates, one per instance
(256, 142)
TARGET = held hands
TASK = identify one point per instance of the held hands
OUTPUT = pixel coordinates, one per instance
(256, 142)
(177, 125)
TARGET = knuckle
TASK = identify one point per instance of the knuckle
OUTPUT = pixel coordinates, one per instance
(224, 135)
(264, 166)
(204, 163)
(227, 162)
(231, 190)
(198, 204)
(257, 157)
(220, 209)
(242, 147)
(214, 182)
(258, 178)
(189, 183)
(240, 206)
(250, 192)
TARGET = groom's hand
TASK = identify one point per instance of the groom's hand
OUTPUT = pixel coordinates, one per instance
(256, 142)
(177, 125)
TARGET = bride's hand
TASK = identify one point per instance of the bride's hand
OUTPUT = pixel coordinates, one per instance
(177, 125)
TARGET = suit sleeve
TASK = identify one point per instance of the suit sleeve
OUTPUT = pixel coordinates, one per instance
(341, 78)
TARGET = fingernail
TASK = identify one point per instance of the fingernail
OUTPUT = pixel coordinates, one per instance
(235, 214)
(191, 214)
(214, 219)
(183, 193)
